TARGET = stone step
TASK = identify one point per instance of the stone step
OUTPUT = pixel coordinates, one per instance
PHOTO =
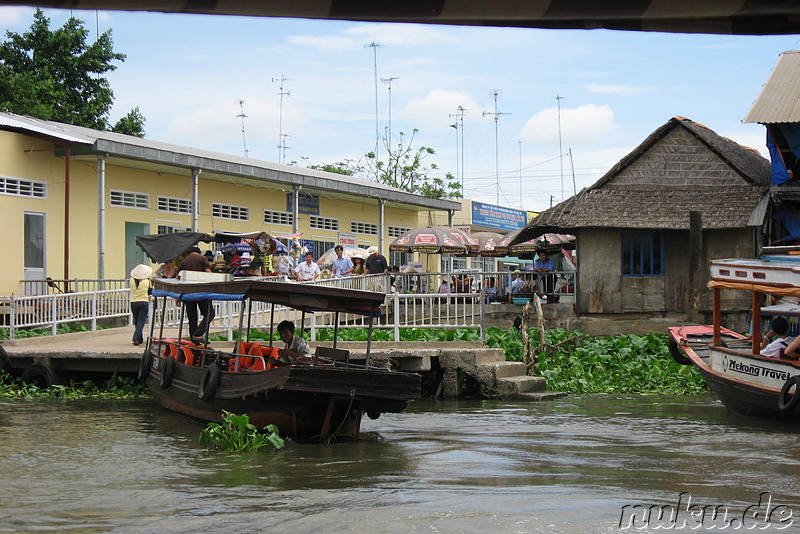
(489, 355)
(516, 385)
(506, 369)
(541, 396)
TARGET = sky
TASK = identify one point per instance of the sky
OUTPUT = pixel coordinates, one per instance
(516, 148)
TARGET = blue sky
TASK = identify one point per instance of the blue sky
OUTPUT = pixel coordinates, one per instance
(188, 73)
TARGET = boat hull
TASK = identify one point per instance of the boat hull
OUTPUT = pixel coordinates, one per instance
(305, 402)
(747, 384)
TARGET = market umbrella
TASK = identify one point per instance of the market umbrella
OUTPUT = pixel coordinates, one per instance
(487, 243)
(548, 242)
(502, 246)
(433, 240)
(347, 251)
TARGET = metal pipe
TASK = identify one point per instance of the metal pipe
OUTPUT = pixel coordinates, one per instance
(66, 214)
(195, 199)
(101, 216)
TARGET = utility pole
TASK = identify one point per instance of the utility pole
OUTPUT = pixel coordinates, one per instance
(459, 125)
(282, 148)
(520, 174)
(559, 98)
(281, 141)
(243, 117)
(389, 133)
(495, 93)
(374, 47)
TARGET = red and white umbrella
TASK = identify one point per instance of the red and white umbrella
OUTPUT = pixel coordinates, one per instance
(433, 240)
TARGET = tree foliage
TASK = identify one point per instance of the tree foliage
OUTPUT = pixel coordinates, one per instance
(55, 75)
(131, 124)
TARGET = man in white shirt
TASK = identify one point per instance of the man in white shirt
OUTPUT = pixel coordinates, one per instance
(775, 349)
(308, 270)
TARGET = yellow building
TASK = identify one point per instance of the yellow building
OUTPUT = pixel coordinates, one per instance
(72, 200)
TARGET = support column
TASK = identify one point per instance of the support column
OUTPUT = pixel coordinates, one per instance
(296, 209)
(381, 222)
(101, 217)
(450, 383)
(195, 199)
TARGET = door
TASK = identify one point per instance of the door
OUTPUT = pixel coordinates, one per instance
(34, 251)
(133, 254)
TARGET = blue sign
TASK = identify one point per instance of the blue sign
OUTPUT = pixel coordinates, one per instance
(497, 216)
(305, 204)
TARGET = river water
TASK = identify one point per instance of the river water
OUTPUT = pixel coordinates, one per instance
(565, 466)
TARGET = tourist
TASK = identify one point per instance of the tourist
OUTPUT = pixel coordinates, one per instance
(342, 265)
(197, 331)
(358, 266)
(140, 299)
(545, 265)
(490, 290)
(780, 346)
(308, 271)
(295, 347)
(376, 262)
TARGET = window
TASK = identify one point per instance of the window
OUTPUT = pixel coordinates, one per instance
(278, 217)
(130, 199)
(321, 247)
(165, 228)
(363, 228)
(22, 188)
(397, 231)
(642, 254)
(227, 211)
(324, 223)
(400, 258)
(174, 205)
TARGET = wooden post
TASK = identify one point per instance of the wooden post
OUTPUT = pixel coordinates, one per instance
(717, 317)
(756, 305)
(696, 270)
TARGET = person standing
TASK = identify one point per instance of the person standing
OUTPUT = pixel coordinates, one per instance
(308, 271)
(376, 262)
(140, 299)
(545, 265)
(342, 265)
(197, 262)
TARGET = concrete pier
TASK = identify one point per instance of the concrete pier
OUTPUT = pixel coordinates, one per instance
(111, 351)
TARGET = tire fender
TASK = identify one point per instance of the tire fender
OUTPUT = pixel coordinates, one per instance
(5, 361)
(787, 403)
(677, 354)
(209, 382)
(39, 373)
(145, 363)
(167, 372)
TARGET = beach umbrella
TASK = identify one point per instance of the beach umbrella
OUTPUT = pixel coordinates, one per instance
(347, 251)
(548, 242)
(433, 240)
(486, 243)
(502, 246)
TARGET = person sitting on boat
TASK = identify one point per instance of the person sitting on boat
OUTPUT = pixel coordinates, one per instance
(296, 346)
(779, 347)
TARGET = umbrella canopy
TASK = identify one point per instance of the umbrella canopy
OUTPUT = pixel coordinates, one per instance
(548, 242)
(502, 247)
(432, 240)
(486, 243)
(348, 252)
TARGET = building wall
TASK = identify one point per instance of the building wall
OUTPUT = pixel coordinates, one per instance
(603, 290)
(28, 158)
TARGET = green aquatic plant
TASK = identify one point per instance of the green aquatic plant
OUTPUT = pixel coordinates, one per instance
(237, 434)
(123, 388)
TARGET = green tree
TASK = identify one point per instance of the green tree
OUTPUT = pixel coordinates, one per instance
(131, 124)
(405, 169)
(55, 75)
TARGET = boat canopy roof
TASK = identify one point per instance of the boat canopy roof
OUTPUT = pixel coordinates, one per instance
(304, 297)
(166, 247)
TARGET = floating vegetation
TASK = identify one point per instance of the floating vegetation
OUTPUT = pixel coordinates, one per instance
(237, 434)
(123, 388)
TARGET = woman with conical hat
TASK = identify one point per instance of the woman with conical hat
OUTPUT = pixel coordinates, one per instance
(140, 299)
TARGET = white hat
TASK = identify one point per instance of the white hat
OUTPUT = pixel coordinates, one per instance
(372, 250)
(141, 271)
(246, 256)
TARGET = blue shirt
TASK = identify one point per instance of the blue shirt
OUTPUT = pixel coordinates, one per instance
(546, 265)
(341, 265)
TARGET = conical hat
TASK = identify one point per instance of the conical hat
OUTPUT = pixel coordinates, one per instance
(141, 271)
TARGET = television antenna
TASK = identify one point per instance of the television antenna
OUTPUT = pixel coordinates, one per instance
(282, 147)
(281, 141)
(389, 133)
(374, 45)
(459, 125)
(496, 114)
(243, 117)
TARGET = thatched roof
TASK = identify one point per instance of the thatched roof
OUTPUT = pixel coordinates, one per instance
(681, 167)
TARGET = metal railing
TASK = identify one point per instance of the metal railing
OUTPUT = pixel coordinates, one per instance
(440, 300)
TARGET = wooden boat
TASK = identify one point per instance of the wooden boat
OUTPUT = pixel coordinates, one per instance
(312, 399)
(746, 382)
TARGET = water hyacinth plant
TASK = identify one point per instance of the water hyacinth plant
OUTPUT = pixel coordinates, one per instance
(237, 434)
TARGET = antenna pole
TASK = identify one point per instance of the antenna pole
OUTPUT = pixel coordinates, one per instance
(374, 45)
(559, 98)
(389, 133)
(281, 140)
(243, 117)
(459, 125)
(496, 114)
(572, 166)
(520, 174)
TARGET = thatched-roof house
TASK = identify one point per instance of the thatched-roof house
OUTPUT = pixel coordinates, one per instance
(684, 189)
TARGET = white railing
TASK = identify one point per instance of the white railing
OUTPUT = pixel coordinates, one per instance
(53, 286)
(52, 311)
(412, 300)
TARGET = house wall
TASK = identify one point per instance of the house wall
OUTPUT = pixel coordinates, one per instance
(603, 290)
(27, 158)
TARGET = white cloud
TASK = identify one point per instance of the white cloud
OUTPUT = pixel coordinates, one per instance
(585, 124)
(618, 90)
(434, 109)
(397, 35)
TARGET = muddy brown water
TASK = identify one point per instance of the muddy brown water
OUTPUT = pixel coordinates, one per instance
(565, 466)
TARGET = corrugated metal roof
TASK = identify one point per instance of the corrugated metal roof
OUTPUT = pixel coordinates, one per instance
(779, 100)
(135, 148)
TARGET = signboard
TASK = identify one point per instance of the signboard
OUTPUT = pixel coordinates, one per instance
(497, 216)
(347, 240)
(305, 204)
